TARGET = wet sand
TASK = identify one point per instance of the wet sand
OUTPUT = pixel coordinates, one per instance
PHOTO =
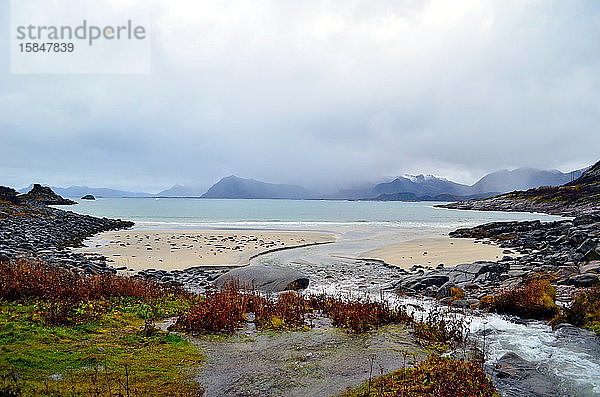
(181, 249)
(433, 251)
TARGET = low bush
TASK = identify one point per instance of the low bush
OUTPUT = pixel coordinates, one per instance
(441, 330)
(24, 279)
(534, 299)
(358, 315)
(284, 312)
(227, 309)
(63, 297)
(436, 376)
(221, 310)
(585, 310)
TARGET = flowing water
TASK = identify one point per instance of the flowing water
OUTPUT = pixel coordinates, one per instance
(571, 360)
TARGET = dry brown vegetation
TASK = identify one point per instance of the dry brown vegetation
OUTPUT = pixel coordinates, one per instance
(534, 299)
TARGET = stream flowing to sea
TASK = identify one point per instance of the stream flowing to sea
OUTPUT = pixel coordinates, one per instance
(574, 363)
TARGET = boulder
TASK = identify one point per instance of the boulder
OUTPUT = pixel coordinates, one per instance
(591, 267)
(515, 376)
(591, 255)
(266, 278)
(586, 246)
(445, 290)
(584, 280)
(420, 282)
(586, 219)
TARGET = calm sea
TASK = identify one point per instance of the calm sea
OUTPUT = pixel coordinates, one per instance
(185, 212)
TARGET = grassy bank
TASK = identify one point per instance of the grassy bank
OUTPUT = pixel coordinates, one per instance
(66, 335)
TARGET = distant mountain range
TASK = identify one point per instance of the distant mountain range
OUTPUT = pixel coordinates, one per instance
(182, 191)
(233, 187)
(437, 197)
(420, 185)
(429, 187)
(522, 179)
(404, 188)
(79, 191)
(577, 197)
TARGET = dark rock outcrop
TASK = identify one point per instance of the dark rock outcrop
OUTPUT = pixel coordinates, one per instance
(591, 176)
(265, 278)
(44, 195)
(88, 197)
(469, 275)
(8, 194)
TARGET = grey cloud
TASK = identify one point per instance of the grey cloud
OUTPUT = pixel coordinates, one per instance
(320, 94)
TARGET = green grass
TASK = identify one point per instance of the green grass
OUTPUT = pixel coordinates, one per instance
(108, 356)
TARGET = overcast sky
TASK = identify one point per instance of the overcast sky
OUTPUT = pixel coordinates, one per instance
(318, 93)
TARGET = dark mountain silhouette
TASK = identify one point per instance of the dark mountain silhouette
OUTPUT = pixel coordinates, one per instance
(420, 185)
(522, 179)
(233, 187)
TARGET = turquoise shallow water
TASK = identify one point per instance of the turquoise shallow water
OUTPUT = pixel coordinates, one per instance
(182, 212)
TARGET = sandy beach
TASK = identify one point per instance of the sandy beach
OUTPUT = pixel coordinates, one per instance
(433, 251)
(181, 249)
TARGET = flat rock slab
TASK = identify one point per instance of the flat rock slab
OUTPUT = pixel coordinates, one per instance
(266, 278)
(323, 361)
(517, 377)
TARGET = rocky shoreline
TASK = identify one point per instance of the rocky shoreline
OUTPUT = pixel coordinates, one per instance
(506, 204)
(46, 234)
(579, 197)
(569, 250)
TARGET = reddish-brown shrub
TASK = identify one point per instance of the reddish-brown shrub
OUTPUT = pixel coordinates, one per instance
(222, 310)
(585, 309)
(23, 279)
(534, 299)
(356, 314)
(285, 312)
(440, 329)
